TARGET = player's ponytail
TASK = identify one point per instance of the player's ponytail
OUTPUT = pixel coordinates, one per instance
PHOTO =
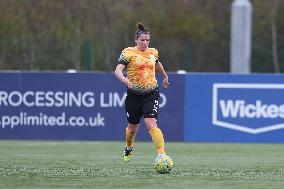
(141, 29)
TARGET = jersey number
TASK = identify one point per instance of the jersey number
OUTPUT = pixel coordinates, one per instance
(156, 105)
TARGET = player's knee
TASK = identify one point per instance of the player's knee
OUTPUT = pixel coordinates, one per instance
(133, 128)
(150, 123)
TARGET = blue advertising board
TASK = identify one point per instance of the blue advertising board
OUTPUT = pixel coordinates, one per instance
(78, 106)
(234, 108)
(90, 106)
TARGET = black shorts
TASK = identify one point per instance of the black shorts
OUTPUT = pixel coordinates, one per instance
(137, 106)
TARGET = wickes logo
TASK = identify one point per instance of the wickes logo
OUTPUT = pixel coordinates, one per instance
(239, 108)
(252, 108)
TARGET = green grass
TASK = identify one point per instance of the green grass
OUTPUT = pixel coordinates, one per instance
(78, 165)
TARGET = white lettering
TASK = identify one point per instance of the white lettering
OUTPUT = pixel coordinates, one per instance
(239, 108)
(163, 100)
(111, 100)
(88, 99)
(229, 109)
(75, 99)
(102, 100)
(15, 98)
(250, 111)
(25, 98)
(47, 99)
(281, 111)
(260, 110)
(39, 99)
(3, 98)
(117, 101)
(273, 111)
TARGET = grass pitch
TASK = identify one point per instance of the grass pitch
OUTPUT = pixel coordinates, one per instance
(78, 165)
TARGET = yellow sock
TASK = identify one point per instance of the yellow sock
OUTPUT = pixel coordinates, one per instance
(129, 138)
(158, 139)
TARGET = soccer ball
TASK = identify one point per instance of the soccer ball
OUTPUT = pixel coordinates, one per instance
(163, 164)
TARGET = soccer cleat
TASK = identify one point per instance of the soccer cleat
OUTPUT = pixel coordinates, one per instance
(127, 155)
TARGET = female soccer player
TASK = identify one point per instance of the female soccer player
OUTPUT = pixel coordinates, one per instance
(142, 90)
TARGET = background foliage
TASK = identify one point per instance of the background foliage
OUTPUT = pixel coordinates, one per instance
(90, 34)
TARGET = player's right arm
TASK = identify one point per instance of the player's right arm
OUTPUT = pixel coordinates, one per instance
(119, 74)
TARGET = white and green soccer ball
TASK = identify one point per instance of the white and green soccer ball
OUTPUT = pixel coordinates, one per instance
(163, 164)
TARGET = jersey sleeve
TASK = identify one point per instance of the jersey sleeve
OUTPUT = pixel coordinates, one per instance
(124, 57)
(156, 54)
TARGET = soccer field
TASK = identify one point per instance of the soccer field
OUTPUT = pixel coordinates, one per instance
(52, 164)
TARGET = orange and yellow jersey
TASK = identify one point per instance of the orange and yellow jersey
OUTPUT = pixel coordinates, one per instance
(140, 68)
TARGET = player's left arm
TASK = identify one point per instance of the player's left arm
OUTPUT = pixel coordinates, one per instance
(162, 71)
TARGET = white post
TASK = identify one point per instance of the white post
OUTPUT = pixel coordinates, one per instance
(241, 36)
